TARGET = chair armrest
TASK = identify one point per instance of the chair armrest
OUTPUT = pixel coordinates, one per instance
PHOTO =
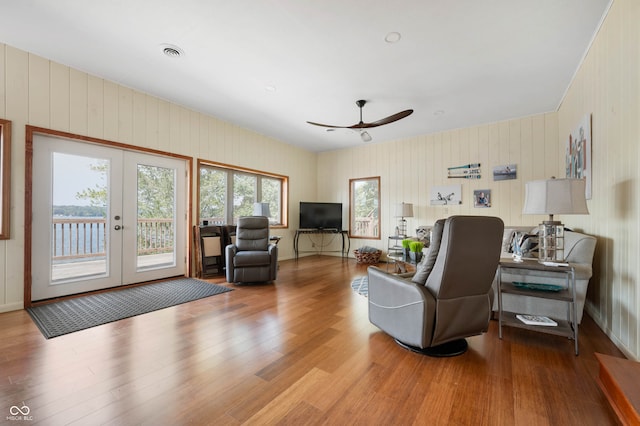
(393, 290)
(230, 252)
(406, 274)
(400, 307)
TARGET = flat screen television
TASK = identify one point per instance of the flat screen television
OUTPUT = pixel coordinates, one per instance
(320, 215)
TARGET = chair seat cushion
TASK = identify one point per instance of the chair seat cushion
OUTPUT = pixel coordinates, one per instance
(251, 258)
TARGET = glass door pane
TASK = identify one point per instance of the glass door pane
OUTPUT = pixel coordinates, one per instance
(156, 217)
(79, 219)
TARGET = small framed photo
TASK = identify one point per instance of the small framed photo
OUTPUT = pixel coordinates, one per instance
(505, 172)
(482, 198)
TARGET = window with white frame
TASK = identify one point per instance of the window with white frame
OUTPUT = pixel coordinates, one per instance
(227, 192)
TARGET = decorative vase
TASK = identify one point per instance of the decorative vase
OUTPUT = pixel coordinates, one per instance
(406, 255)
(416, 256)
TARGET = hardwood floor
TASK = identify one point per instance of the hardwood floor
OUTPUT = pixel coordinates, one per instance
(301, 351)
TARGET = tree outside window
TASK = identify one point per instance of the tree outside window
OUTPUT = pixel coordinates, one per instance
(364, 208)
(244, 195)
(213, 194)
(226, 193)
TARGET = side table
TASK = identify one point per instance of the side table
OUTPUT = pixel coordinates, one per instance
(566, 327)
(395, 252)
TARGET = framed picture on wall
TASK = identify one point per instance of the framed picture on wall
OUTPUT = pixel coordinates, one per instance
(482, 198)
(446, 195)
(505, 172)
(578, 154)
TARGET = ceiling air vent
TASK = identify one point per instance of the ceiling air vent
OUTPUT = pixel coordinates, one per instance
(172, 51)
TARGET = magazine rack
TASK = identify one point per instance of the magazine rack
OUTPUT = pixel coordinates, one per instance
(566, 327)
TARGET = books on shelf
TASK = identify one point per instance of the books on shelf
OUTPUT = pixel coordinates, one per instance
(536, 320)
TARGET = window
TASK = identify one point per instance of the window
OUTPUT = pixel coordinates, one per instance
(364, 208)
(226, 193)
(5, 175)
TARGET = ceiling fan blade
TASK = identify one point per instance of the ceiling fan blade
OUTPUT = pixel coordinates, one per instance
(362, 125)
(395, 117)
(328, 125)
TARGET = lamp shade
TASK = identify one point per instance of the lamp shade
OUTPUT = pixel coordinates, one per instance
(555, 196)
(261, 209)
(404, 210)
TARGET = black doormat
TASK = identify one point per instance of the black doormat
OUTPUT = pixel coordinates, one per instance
(67, 316)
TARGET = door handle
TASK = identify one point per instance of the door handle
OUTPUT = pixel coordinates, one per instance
(117, 227)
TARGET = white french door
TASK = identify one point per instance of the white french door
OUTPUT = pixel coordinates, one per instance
(104, 217)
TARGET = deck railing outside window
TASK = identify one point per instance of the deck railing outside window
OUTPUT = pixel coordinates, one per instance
(366, 226)
(75, 238)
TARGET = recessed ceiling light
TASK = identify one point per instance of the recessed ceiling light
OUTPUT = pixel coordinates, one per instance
(438, 112)
(270, 88)
(393, 37)
(172, 51)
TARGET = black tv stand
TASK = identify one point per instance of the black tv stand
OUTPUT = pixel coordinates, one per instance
(346, 242)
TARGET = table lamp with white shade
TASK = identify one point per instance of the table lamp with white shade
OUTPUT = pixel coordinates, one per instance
(403, 210)
(554, 196)
(261, 209)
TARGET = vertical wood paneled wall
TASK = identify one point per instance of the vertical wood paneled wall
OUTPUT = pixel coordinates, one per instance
(410, 168)
(607, 86)
(35, 91)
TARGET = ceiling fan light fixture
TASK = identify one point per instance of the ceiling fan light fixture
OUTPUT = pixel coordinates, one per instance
(365, 136)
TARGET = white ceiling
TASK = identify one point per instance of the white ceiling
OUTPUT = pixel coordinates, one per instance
(458, 63)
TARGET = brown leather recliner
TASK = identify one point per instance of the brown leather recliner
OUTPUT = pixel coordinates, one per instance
(450, 295)
(252, 258)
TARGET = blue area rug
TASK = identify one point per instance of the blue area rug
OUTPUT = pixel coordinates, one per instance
(361, 286)
(67, 316)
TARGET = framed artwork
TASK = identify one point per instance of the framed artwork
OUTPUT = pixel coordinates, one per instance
(482, 198)
(446, 195)
(578, 154)
(505, 172)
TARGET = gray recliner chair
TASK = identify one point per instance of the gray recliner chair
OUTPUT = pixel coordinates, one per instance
(252, 258)
(450, 295)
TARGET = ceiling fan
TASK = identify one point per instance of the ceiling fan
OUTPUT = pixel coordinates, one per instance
(362, 125)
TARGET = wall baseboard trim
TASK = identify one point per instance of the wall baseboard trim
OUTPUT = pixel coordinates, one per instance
(600, 322)
(15, 306)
